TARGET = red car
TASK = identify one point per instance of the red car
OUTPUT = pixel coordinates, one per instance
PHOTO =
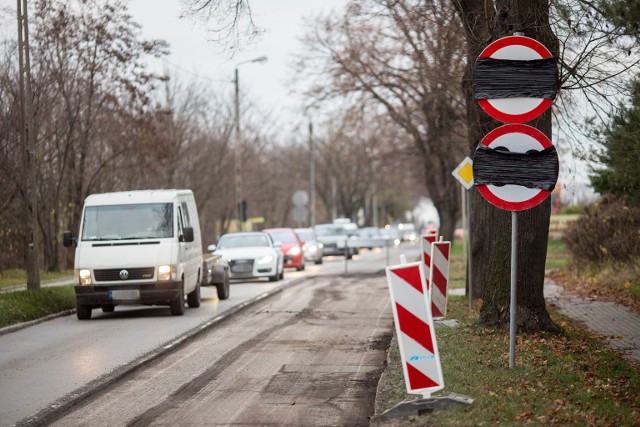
(291, 246)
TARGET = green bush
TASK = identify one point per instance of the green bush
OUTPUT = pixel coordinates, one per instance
(607, 231)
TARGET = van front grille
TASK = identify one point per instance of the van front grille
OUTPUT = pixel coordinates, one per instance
(123, 274)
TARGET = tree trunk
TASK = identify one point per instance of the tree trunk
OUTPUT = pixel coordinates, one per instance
(491, 227)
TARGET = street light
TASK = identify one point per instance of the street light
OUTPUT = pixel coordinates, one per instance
(238, 151)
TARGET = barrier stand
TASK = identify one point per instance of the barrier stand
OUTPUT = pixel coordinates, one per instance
(426, 240)
(439, 278)
(415, 333)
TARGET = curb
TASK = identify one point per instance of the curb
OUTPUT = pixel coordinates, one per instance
(59, 407)
(19, 326)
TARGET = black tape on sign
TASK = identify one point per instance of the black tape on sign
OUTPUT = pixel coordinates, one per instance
(538, 169)
(510, 78)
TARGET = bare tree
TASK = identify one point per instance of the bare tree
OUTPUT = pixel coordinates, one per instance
(405, 56)
(229, 22)
(588, 64)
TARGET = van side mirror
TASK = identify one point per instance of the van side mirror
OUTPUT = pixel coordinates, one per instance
(187, 234)
(67, 239)
(211, 248)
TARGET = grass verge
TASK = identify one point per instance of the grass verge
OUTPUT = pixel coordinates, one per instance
(22, 306)
(572, 379)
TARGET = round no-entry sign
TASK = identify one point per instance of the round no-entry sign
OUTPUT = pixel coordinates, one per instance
(515, 79)
(515, 167)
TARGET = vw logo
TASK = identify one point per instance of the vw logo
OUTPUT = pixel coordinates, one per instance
(124, 274)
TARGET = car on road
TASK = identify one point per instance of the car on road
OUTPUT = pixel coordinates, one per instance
(408, 232)
(290, 245)
(392, 234)
(250, 255)
(216, 273)
(333, 238)
(313, 249)
(370, 235)
(137, 247)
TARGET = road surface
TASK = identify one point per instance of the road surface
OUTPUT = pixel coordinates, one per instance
(50, 365)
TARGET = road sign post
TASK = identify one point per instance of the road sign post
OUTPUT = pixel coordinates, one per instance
(464, 174)
(515, 167)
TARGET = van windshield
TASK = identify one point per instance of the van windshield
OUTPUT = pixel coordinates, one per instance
(130, 221)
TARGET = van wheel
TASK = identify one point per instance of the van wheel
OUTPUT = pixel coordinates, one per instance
(177, 305)
(108, 308)
(318, 262)
(223, 288)
(83, 312)
(193, 298)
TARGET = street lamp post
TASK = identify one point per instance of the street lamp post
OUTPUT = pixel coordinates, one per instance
(238, 147)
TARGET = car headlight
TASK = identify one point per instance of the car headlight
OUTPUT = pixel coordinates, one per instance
(295, 251)
(320, 245)
(84, 277)
(265, 259)
(166, 272)
(311, 249)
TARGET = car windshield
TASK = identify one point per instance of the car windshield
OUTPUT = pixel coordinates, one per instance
(129, 221)
(283, 236)
(242, 241)
(333, 230)
(306, 235)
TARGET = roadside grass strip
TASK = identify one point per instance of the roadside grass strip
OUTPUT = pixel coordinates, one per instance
(571, 379)
(23, 306)
(14, 276)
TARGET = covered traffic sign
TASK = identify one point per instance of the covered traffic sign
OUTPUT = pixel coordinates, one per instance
(515, 167)
(515, 79)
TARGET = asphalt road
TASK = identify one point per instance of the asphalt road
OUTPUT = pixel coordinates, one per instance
(53, 364)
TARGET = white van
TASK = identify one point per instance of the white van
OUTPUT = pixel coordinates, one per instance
(137, 247)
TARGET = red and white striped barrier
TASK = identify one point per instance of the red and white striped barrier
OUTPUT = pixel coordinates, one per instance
(426, 240)
(415, 329)
(439, 278)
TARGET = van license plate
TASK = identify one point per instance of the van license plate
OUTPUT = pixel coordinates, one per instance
(125, 294)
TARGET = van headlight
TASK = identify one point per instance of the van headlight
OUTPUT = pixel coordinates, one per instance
(84, 277)
(265, 259)
(166, 272)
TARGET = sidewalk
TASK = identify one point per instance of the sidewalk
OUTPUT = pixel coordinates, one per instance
(619, 325)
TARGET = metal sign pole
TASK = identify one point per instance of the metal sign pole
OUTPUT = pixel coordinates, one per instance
(346, 257)
(514, 274)
(469, 264)
(389, 242)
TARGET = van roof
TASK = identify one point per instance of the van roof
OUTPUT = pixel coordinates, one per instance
(135, 196)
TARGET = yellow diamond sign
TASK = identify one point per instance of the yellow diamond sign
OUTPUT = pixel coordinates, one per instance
(464, 173)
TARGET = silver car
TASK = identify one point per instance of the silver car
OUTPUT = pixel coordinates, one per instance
(313, 249)
(251, 255)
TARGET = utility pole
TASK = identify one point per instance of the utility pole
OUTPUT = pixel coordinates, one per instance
(238, 142)
(312, 176)
(237, 150)
(29, 147)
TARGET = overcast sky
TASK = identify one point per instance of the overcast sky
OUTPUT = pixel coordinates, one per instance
(193, 56)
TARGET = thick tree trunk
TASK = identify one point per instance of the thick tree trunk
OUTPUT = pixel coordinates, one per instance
(491, 227)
